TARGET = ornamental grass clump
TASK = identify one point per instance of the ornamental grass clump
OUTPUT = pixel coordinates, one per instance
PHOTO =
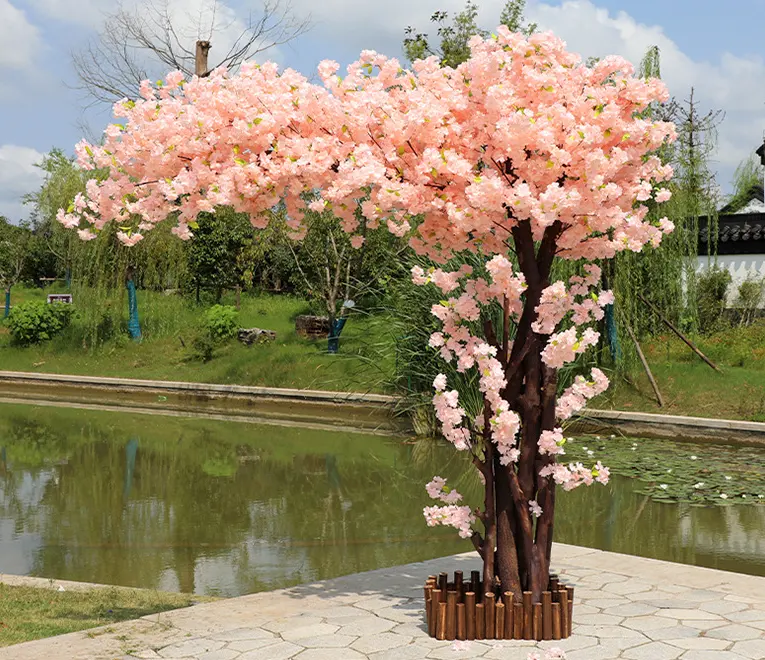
(521, 155)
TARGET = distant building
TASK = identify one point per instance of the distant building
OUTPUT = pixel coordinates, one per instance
(740, 238)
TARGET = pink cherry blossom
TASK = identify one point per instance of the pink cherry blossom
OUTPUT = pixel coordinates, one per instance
(522, 146)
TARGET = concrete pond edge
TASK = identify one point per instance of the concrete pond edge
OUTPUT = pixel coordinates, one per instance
(362, 410)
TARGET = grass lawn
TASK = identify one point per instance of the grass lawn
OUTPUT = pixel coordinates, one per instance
(690, 387)
(28, 613)
(365, 362)
(169, 325)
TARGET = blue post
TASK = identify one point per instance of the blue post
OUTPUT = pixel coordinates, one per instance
(134, 326)
(333, 342)
(7, 302)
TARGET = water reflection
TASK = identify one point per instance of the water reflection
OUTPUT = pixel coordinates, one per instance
(227, 508)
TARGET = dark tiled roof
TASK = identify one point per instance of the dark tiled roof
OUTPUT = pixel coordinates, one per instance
(743, 233)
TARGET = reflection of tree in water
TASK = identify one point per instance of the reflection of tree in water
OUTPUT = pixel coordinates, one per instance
(240, 509)
(127, 509)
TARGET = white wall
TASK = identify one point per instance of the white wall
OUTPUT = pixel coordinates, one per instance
(739, 265)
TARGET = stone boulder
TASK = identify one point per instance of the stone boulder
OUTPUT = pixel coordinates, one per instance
(250, 336)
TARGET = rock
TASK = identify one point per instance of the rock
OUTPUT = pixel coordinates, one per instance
(250, 336)
(312, 327)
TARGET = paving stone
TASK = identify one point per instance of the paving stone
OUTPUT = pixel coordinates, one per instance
(608, 632)
(597, 619)
(704, 626)
(627, 587)
(752, 648)
(410, 652)
(670, 604)
(242, 645)
(724, 607)
(581, 608)
(605, 602)
(326, 641)
(306, 632)
(632, 609)
(672, 632)
(191, 648)
(378, 616)
(643, 623)
(278, 651)
(595, 653)
(368, 626)
(513, 650)
(331, 654)
(760, 624)
(338, 611)
(689, 614)
(573, 643)
(701, 595)
(653, 651)
(401, 614)
(746, 615)
(287, 623)
(220, 654)
(242, 633)
(700, 643)
(377, 603)
(380, 642)
(712, 655)
(735, 632)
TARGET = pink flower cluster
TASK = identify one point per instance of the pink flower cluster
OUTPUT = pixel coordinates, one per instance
(450, 414)
(579, 393)
(438, 490)
(551, 442)
(575, 474)
(563, 347)
(460, 517)
(455, 341)
(431, 142)
(586, 305)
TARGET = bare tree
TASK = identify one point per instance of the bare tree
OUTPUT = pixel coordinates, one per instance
(149, 40)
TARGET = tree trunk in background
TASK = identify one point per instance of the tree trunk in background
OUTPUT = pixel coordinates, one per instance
(200, 59)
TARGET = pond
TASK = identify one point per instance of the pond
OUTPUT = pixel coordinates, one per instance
(228, 508)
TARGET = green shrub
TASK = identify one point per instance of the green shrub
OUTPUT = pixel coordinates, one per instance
(222, 322)
(750, 294)
(202, 348)
(36, 321)
(711, 291)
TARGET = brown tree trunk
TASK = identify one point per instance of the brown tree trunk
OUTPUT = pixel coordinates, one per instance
(523, 543)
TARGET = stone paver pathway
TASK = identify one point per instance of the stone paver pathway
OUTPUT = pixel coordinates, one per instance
(626, 608)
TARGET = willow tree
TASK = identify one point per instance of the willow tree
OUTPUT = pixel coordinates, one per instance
(666, 276)
(503, 155)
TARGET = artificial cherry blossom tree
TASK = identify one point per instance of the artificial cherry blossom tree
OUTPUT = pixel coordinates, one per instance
(522, 155)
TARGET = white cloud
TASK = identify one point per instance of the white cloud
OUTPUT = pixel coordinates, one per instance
(84, 12)
(20, 39)
(18, 176)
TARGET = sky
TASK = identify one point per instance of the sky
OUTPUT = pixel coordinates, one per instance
(715, 47)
